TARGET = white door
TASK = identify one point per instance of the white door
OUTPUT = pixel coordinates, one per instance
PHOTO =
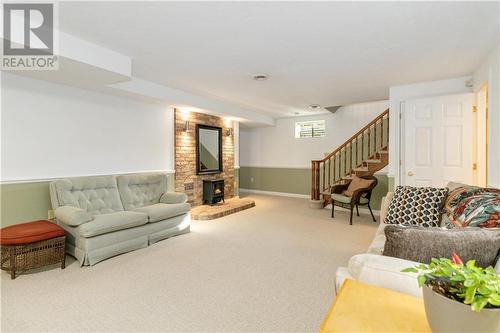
(437, 140)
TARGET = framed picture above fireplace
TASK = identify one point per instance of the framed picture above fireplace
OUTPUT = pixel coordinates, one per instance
(208, 149)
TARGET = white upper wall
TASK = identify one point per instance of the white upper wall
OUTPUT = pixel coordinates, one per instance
(489, 73)
(51, 130)
(277, 146)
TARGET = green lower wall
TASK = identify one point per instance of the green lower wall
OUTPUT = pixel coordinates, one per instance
(236, 182)
(23, 202)
(391, 183)
(296, 181)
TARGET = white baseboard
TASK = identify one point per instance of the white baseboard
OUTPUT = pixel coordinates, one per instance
(281, 194)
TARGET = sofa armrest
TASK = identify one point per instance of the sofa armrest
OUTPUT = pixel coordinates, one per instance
(384, 207)
(72, 216)
(173, 198)
(385, 272)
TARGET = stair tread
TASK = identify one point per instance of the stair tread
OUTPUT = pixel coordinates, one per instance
(373, 161)
(383, 152)
(361, 169)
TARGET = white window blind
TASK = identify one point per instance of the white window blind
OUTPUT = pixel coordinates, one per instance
(310, 129)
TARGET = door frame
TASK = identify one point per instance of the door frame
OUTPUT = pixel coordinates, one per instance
(400, 171)
(477, 121)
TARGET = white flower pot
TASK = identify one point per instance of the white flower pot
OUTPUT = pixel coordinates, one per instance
(447, 315)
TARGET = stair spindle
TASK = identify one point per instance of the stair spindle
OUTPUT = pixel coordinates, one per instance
(369, 142)
(329, 170)
(324, 174)
(362, 145)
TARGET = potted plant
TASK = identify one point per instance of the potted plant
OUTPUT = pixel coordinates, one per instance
(459, 297)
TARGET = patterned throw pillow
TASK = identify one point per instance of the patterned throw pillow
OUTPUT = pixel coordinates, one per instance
(417, 206)
(471, 206)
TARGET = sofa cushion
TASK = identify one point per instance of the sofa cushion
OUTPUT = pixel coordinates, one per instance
(384, 207)
(72, 216)
(421, 206)
(105, 223)
(141, 190)
(161, 211)
(378, 242)
(423, 244)
(173, 197)
(95, 195)
(341, 274)
(385, 272)
(345, 199)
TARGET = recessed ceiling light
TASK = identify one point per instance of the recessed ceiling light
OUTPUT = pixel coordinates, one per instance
(260, 77)
(315, 107)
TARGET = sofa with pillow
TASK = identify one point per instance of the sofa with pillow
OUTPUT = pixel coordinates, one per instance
(381, 270)
(108, 215)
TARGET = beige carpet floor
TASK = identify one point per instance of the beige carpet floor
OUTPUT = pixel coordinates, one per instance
(266, 269)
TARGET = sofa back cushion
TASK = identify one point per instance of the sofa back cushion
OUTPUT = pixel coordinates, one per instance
(96, 195)
(423, 244)
(141, 190)
(420, 206)
(472, 206)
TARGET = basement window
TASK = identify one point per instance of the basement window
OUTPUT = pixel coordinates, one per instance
(310, 129)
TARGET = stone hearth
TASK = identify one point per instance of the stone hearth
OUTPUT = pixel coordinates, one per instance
(231, 206)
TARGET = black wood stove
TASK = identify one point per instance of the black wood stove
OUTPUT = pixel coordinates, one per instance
(213, 191)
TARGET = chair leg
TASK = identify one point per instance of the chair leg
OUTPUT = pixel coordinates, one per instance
(333, 208)
(352, 209)
(357, 210)
(373, 217)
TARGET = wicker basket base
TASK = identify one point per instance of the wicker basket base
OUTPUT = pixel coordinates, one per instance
(20, 258)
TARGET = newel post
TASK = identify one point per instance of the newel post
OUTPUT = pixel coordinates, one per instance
(315, 180)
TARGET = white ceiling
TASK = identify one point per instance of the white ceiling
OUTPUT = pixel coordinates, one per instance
(327, 53)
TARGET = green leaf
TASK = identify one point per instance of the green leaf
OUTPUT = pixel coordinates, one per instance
(494, 300)
(471, 264)
(469, 282)
(457, 278)
(421, 280)
(410, 270)
(479, 303)
(469, 295)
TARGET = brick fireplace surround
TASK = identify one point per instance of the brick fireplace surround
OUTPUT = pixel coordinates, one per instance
(186, 179)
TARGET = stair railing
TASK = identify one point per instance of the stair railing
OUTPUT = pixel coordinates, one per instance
(351, 154)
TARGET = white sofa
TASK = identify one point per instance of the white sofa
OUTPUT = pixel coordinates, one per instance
(375, 269)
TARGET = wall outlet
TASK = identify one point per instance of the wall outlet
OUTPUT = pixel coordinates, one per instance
(50, 214)
(251, 180)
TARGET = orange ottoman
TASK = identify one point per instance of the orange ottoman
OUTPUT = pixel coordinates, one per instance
(32, 245)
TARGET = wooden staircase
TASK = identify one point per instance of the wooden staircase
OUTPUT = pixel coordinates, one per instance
(363, 154)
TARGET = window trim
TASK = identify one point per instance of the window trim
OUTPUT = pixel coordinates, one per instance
(300, 124)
